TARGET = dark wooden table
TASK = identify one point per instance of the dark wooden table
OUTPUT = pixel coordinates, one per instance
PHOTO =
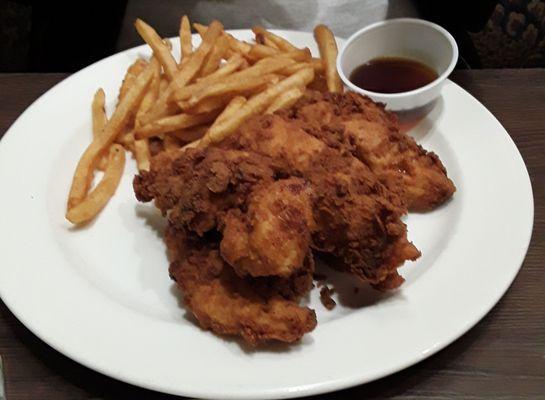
(503, 357)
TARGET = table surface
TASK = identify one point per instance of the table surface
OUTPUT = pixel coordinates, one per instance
(503, 357)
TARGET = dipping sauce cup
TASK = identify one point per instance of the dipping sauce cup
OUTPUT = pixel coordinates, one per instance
(409, 38)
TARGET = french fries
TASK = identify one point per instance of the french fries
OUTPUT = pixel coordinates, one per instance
(86, 165)
(130, 77)
(97, 199)
(231, 86)
(164, 105)
(328, 52)
(258, 104)
(187, 71)
(237, 46)
(265, 66)
(160, 49)
(213, 60)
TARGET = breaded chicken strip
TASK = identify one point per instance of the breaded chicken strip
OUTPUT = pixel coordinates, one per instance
(196, 187)
(357, 218)
(227, 304)
(353, 123)
(273, 236)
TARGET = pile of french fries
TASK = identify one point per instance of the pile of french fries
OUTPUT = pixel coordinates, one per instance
(195, 101)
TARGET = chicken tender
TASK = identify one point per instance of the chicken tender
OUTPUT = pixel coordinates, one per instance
(196, 188)
(228, 304)
(273, 236)
(358, 125)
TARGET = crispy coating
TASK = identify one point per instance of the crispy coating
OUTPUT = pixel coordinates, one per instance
(356, 124)
(357, 218)
(228, 304)
(196, 187)
(273, 236)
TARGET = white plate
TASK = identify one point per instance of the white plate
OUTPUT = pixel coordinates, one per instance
(102, 296)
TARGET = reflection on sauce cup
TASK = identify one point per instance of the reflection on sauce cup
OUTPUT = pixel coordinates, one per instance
(406, 49)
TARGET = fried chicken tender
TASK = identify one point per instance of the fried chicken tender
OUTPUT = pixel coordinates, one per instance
(195, 188)
(357, 218)
(228, 304)
(356, 124)
(273, 236)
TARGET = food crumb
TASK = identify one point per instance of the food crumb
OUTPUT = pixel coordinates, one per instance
(325, 298)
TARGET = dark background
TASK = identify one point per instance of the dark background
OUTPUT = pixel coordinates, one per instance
(65, 36)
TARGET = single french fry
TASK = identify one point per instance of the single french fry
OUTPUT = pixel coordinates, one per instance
(215, 56)
(260, 51)
(285, 100)
(99, 112)
(151, 94)
(291, 69)
(160, 49)
(279, 42)
(194, 144)
(130, 77)
(172, 123)
(187, 71)
(99, 121)
(230, 87)
(208, 105)
(140, 148)
(99, 196)
(200, 28)
(257, 105)
(264, 40)
(228, 113)
(186, 45)
(237, 46)
(190, 134)
(126, 106)
(142, 154)
(232, 108)
(328, 52)
(299, 55)
(265, 66)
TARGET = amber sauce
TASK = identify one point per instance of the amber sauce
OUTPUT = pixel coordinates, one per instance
(392, 75)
